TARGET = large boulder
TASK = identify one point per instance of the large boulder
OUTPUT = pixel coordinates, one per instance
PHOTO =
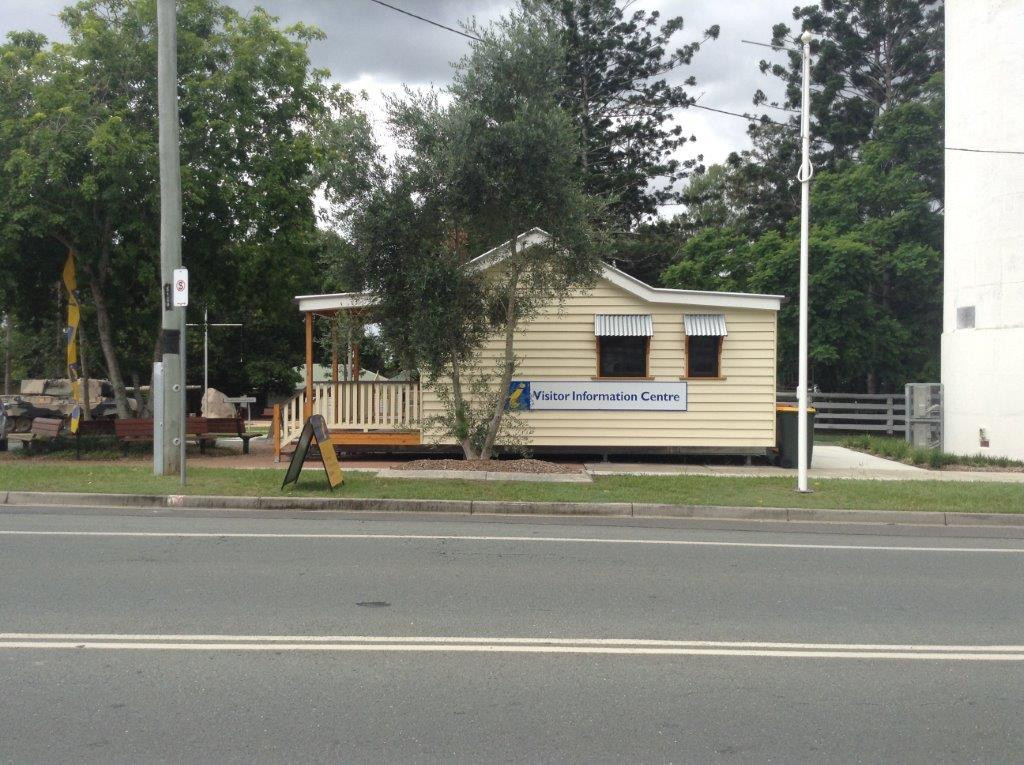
(215, 404)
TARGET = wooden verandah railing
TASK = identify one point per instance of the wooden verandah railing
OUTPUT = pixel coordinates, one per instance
(353, 406)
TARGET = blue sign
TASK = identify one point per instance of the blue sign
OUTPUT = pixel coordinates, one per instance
(518, 396)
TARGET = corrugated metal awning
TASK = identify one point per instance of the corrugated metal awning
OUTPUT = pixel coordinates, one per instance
(705, 324)
(623, 325)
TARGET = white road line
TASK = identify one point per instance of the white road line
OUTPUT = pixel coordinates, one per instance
(523, 646)
(446, 639)
(482, 538)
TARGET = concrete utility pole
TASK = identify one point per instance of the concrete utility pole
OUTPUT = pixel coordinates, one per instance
(169, 424)
(804, 176)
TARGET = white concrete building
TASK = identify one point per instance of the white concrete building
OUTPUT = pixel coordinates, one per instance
(983, 316)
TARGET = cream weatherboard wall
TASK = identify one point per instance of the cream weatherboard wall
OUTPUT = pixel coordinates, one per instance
(737, 412)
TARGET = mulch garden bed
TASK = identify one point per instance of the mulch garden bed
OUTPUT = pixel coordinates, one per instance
(494, 466)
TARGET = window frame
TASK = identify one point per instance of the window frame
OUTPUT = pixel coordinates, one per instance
(687, 357)
(647, 359)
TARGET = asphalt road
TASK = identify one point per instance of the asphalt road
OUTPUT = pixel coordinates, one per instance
(227, 636)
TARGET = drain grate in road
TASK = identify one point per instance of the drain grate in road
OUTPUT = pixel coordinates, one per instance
(374, 603)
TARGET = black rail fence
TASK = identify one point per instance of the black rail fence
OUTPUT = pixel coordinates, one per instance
(856, 412)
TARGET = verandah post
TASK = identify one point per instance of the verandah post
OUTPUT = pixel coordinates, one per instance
(334, 379)
(276, 430)
(307, 408)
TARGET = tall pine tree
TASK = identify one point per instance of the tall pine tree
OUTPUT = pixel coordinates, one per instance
(623, 85)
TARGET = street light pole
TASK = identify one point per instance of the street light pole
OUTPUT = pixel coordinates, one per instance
(169, 424)
(804, 176)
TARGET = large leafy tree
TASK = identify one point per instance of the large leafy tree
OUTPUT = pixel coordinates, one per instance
(622, 84)
(500, 158)
(261, 131)
(876, 199)
(876, 264)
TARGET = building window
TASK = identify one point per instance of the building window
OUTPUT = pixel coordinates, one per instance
(703, 356)
(705, 334)
(622, 356)
(623, 342)
(965, 317)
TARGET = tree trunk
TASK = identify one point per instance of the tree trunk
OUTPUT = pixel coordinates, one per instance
(584, 132)
(82, 361)
(461, 423)
(348, 353)
(107, 346)
(62, 320)
(511, 311)
(8, 339)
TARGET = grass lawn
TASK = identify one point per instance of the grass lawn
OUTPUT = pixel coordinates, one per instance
(16, 475)
(898, 449)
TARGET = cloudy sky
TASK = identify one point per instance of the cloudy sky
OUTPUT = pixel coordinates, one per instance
(376, 50)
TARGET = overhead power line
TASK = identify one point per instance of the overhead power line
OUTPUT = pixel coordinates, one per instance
(770, 45)
(437, 24)
(983, 151)
(748, 117)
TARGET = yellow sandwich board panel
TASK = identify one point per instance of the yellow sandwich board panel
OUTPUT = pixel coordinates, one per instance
(315, 427)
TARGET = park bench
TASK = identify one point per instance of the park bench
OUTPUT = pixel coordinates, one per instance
(202, 430)
(140, 430)
(102, 427)
(226, 427)
(43, 428)
(133, 430)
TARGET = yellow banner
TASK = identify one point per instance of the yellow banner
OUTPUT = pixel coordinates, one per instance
(71, 331)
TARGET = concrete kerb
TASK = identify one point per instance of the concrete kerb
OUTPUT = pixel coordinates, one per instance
(491, 507)
(482, 475)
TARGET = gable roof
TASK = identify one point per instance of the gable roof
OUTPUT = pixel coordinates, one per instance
(535, 236)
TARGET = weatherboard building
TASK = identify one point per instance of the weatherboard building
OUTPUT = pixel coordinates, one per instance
(621, 367)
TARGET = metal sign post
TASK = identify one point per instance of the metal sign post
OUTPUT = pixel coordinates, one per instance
(184, 400)
(180, 291)
(804, 176)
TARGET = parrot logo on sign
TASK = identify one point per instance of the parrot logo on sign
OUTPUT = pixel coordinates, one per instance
(518, 396)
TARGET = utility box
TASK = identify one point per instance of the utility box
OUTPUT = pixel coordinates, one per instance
(924, 415)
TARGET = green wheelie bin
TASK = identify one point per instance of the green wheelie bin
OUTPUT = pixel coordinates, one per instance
(786, 418)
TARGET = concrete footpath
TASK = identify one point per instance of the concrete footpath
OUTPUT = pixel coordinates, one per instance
(829, 462)
(488, 507)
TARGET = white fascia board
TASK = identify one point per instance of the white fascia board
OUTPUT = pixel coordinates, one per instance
(535, 236)
(496, 254)
(697, 298)
(339, 301)
(690, 297)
